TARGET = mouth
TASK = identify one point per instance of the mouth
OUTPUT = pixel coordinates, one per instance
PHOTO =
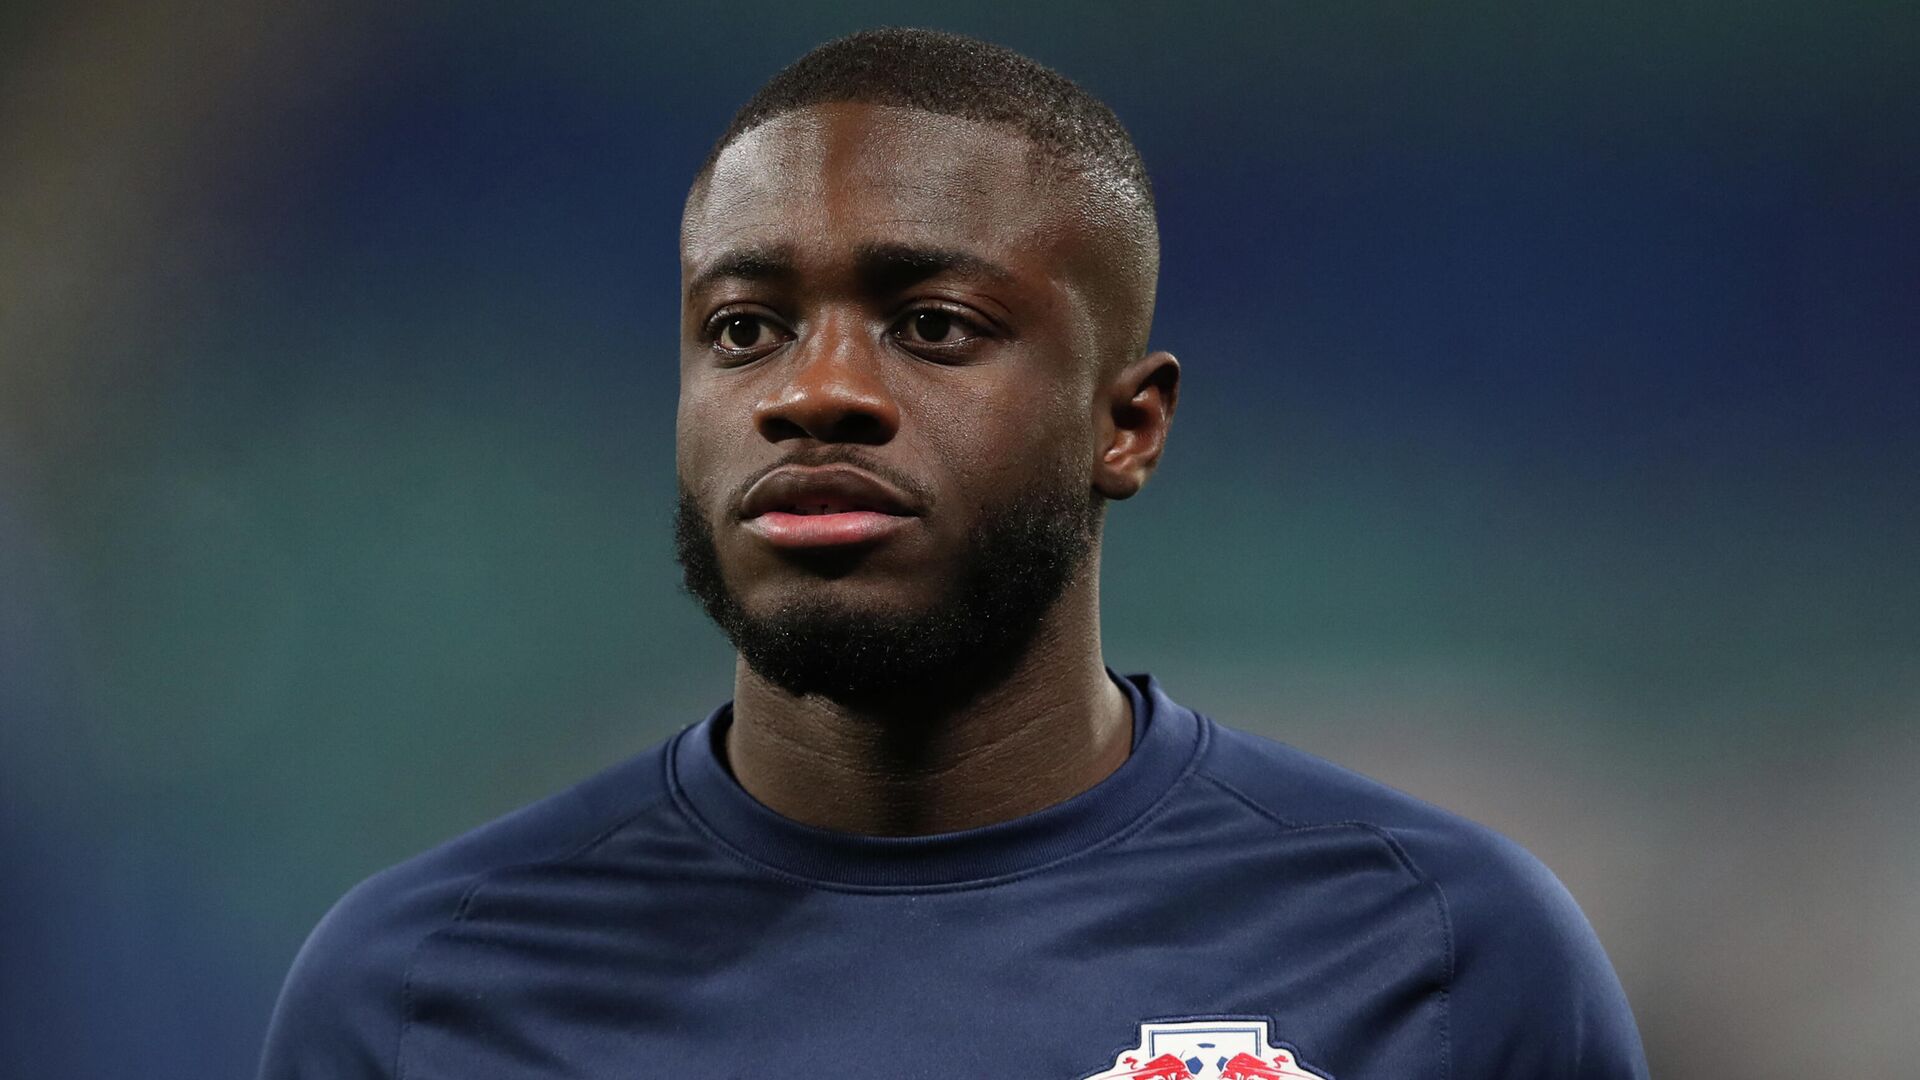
(824, 506)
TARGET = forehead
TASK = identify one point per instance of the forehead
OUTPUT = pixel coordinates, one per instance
(854, 174)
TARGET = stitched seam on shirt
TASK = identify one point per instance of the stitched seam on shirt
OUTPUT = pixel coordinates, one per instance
(480, 881)
(1202, 741)
(1406, 862)
(1446, 986)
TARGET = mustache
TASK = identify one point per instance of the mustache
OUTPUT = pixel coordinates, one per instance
(837, 454)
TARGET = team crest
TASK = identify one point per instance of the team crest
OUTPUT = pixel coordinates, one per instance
(1207, 1050)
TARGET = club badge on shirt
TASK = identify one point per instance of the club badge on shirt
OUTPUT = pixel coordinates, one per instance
(1226, 1049)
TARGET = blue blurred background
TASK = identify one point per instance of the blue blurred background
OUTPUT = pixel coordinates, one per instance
(1548, 448)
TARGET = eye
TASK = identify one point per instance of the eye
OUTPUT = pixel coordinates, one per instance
(931, 326)
(743, 333)
(936, 326)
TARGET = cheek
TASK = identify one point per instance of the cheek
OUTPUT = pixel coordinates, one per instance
(702, 445)
(688, 429)
(995, 436)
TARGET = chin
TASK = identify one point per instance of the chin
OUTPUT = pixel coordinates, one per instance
(858, 626)
(847, 598)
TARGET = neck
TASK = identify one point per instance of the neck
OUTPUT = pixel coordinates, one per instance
(1052, 727)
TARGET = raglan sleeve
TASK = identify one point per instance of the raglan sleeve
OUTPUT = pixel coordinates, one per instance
(340, 1009)
(1532, 994)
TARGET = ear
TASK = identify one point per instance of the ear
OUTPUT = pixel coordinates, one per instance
(1137, 409)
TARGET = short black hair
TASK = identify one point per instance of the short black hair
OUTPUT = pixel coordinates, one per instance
(954, 75)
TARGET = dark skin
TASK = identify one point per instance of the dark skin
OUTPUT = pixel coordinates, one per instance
(910, 289)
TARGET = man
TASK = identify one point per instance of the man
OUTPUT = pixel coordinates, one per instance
(932, 835)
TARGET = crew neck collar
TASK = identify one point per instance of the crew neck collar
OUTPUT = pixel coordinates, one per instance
(1166, 740)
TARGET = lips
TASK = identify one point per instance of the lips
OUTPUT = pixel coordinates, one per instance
(823, 489)
(822, 506)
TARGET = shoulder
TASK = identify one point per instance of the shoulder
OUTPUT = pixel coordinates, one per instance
(341, 1009)
(1530, 990)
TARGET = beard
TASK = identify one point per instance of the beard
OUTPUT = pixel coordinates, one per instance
(1018, 559)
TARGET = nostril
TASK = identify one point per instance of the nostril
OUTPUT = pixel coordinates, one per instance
(779, 428)
(860, 427)
(837, 426)
(829, 398)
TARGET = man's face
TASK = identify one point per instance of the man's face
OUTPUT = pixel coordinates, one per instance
(890, 359)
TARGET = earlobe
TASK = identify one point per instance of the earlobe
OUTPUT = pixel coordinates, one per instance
(1140, 402)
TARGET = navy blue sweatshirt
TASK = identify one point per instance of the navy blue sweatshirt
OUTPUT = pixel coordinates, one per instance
(1222, 907)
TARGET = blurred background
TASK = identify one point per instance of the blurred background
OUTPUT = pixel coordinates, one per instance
(1548, 448)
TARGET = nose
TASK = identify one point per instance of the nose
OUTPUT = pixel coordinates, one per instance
(834, 390)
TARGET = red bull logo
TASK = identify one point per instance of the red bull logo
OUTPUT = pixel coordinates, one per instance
(1226, 1049)
(1164, 1067)
(1248, 1067)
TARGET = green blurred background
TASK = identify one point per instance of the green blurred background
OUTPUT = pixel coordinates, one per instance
(1548, 449)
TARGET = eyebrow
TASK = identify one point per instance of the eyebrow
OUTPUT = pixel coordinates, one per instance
(882, 268)
(888, 268)
(747, 264)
